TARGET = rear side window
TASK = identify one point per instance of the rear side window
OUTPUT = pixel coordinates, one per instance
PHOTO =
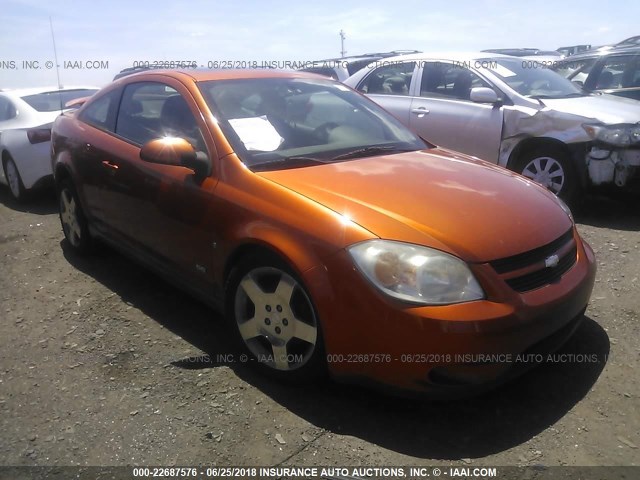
(101, 112)
(52, 101)
(7, 110)
(444, 80)
(391, 79)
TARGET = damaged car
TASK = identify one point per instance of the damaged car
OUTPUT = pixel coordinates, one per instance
(514, 113)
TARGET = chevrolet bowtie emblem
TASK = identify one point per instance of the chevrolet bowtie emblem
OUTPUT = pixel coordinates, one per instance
(551, 261)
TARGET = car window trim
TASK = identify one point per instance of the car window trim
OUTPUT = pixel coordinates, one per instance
(135, 144)
(504, 98)
(111, 113)
(411, 85)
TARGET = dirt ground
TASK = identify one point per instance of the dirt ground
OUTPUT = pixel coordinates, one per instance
(102, 363)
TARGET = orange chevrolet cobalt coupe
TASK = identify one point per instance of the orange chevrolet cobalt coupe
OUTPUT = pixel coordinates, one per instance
(331, 236)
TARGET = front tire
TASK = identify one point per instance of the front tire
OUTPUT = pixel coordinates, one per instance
(11, 173)
(275, 320)
(552, 168)
(72, 218)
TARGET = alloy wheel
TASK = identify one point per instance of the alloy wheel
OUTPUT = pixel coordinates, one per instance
(69, 218)
(275, 318)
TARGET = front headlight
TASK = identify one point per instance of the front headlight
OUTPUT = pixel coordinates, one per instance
(416, 274)
(621, 135)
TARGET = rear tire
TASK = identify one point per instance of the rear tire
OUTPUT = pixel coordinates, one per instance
(14, 180)
(553, 169)
(72, 218)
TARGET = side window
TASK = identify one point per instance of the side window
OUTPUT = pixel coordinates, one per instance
(7, 110)
(617, 72)
(445, 80)
(391, 79)
(150, 110)
(100, 112)
(577, 70)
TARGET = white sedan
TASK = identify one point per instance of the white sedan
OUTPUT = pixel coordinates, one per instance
(26, 116)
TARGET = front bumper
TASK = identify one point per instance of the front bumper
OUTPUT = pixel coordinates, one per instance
(371, 338)
(607, 165)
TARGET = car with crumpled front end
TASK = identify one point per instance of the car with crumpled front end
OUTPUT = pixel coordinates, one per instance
(512, 112)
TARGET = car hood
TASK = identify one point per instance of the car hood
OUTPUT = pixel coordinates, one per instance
(459, 204)
(608, 109)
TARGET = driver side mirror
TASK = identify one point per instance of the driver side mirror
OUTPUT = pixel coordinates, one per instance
(177, 152)
(483, 95)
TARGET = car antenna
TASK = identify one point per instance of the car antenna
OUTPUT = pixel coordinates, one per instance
(55, 57)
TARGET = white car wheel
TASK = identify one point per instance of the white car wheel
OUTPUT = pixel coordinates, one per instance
(546, 171)
(552, 168)
(13, 179)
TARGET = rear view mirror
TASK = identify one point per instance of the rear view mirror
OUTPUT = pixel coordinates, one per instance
(483, 95)
(175, 151)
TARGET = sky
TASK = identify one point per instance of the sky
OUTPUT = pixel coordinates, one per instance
(96, 39)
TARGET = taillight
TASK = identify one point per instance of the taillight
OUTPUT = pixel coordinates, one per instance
(39, 135)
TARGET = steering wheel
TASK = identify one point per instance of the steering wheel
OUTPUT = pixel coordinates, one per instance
(322, 132)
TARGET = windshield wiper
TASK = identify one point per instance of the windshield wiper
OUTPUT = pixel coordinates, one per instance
(288, 161)
(557, 97)
(373, 150)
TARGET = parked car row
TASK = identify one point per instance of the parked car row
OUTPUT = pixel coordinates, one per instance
(26, 117)
(530, 120)
(332, 237)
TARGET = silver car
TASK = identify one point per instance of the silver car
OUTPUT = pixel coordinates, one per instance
(505, 110)
(26, 116)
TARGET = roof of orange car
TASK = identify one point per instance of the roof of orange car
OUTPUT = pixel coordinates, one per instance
(201, 75)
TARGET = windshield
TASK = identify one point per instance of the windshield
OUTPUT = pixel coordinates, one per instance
(286, 122)
(531, 80)
(56, 100)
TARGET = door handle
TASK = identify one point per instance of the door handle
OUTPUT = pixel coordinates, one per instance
(419, 111)
(108, 164)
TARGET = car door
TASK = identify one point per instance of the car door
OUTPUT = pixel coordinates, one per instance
(163, 210)
(389, 85)
(97, 120)
(442, 112)
(7, 119)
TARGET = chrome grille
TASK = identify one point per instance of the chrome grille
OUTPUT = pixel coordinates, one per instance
(527, 271)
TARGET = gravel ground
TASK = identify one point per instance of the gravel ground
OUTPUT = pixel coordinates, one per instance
(102, 363)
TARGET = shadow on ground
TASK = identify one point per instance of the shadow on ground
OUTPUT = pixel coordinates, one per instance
(470, 428)
(617, 210)
(39, 202)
